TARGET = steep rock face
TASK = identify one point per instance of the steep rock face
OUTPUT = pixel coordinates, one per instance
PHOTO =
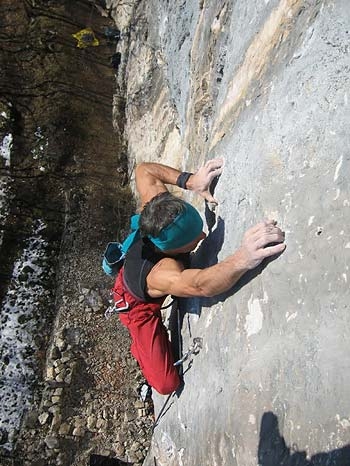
(265, 85)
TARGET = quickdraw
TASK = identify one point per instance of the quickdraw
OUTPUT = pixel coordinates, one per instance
(196, 346)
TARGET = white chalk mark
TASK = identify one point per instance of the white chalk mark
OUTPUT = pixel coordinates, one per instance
(254, 320)
(311, 219)
(252, 419)
(209, 318)
(337, 194)
(292, 316)
(337, 168)
(345, 423)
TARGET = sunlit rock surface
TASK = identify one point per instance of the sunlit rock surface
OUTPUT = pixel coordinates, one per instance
(264, 85)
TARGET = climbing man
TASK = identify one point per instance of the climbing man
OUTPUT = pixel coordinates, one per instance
(157, 264)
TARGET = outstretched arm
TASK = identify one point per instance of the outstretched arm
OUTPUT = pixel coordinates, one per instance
(259, 242)
(152, 178)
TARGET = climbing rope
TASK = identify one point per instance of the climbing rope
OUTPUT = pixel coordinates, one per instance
(196, 346)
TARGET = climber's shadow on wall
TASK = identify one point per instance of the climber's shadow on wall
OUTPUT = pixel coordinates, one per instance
(273, 451)
(207, 255)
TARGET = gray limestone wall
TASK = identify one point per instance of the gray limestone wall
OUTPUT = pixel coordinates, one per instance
(266, 86)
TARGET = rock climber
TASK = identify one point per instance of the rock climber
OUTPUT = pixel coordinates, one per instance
(157, 264)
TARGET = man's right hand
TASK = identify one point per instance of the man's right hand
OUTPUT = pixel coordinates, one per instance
(259, 242)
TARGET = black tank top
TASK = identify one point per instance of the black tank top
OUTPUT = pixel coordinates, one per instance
(139, 261)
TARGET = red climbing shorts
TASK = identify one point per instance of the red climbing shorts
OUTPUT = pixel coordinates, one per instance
(150, 343)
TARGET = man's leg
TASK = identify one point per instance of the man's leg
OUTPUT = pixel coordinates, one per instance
(151, 346)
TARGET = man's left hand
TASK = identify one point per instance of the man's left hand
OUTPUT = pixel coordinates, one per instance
(200, 181)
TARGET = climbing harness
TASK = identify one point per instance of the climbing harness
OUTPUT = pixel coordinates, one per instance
(116, 306)
(196, 346)
(168, 305)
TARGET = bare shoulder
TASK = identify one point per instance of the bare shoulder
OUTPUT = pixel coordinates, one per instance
(162, 275)
(170, 277)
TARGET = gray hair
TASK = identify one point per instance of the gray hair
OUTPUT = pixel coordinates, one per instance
(159, 212)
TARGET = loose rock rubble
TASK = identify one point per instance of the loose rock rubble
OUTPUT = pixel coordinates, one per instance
(90, 401)
(85, 396)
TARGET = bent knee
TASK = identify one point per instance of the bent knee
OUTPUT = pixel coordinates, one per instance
(167, 386)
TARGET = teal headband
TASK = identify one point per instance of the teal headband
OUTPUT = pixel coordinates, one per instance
(186, 227)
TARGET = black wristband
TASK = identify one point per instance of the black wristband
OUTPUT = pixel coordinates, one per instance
(182, 179)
